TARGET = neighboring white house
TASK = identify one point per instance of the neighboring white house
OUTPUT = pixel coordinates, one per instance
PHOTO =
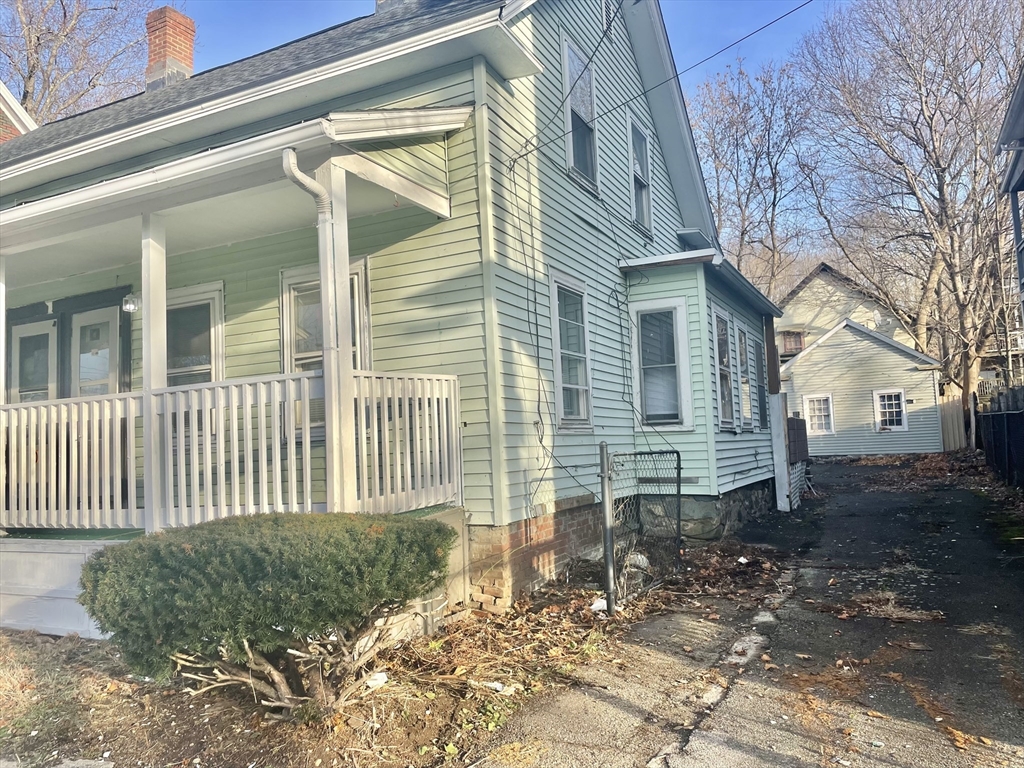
(863, 393)
(14, 120)
(823, 299)
(435, 255)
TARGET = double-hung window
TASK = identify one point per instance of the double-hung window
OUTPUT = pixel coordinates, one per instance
(581, 145)
(302, 326)
(660, 364)
(746, 398)
(572, 370)
(724, 370)
(818, 412)
(195, 340)
(792, 342)
(640, 175)
(890, 410)
(762, 392)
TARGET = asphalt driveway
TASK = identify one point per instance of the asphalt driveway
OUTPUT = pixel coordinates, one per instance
(897, 639)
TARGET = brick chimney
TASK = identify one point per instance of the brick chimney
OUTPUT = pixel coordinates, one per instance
(171, 36)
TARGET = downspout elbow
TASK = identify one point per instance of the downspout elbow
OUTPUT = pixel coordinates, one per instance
(305, 182)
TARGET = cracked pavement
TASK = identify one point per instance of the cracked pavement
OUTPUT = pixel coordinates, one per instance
(898, 641)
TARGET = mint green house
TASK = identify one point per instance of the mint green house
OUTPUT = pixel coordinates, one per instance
(432, 256)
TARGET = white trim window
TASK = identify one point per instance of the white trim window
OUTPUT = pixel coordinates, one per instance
(195, 334)
(818, 414)
(580, 111)
(302, 331)
(661, 369)
(640, 175)
(759, 383)
(571, 352)
(890, 410)
(725, 392)
(746, 396)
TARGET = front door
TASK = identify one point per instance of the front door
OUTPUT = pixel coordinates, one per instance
(95, 343)
(34, 362)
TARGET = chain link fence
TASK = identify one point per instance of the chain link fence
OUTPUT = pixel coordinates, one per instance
(642, 501)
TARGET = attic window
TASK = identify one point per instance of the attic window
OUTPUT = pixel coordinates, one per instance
(792, 342)
(581, 147)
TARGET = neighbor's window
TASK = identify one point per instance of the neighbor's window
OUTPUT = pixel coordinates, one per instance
(724, 365)
(582, 143)
(572, 376)
(641, 175)
(890, 411)
(792, 342)
(659, 371)
(818, 410)
(762, 392)
(746, 402)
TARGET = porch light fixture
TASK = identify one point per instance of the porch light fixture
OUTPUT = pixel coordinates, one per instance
(131, 303)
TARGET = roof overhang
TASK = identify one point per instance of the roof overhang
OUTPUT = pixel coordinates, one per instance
(481, 35)
(712, 259)
(229, 169)
(1011, 139)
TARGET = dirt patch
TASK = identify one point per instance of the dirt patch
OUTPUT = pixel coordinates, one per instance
(73, 698)
(885, 605)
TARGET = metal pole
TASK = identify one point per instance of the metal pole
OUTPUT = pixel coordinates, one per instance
(609, 521)
(679, 508)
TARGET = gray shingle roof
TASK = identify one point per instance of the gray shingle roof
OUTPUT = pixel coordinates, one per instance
(401, 20)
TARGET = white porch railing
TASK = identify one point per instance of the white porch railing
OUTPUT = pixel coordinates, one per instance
(240, 447)
(235, 447)
(408, 452)
(72, 463)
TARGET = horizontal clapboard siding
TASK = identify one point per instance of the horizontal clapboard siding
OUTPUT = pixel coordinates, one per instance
(545, 221)
(697, 464)
(850, 365)
(743, 455)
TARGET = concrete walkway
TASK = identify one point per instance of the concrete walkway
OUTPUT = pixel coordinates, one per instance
(853, 666)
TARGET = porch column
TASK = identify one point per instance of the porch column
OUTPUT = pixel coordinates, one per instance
(154, 363)
(3, 330)
(339, 385)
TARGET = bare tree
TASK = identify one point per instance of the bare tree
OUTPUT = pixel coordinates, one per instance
(748, 131)
(61, 57)
(908, 97)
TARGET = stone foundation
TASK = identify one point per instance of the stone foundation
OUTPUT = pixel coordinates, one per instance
(506, 561)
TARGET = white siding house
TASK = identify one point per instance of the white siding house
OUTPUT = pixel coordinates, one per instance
(412, 260)
(863, 393)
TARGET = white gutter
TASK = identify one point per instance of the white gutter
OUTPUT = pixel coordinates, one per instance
(464, 28)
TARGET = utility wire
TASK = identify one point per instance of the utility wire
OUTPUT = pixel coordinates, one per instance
(643, 93)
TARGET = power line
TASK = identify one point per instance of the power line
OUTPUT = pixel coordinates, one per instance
(644, 92)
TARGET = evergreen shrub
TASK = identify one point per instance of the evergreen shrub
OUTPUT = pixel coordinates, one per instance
(244, 590)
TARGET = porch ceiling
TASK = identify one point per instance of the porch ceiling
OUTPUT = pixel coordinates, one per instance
(244, 215)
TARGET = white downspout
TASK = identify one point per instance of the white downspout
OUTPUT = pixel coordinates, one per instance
(332, 243)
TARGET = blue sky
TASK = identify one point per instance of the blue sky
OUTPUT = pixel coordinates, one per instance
(232, 29)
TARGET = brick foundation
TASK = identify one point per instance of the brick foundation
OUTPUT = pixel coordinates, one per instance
(527, 554)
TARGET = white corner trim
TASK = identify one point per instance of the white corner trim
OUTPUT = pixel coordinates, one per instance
(11, 107)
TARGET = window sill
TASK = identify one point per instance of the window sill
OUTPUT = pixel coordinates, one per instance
(575, 428)
(586, 184)
(643, 231)
(639, 427)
